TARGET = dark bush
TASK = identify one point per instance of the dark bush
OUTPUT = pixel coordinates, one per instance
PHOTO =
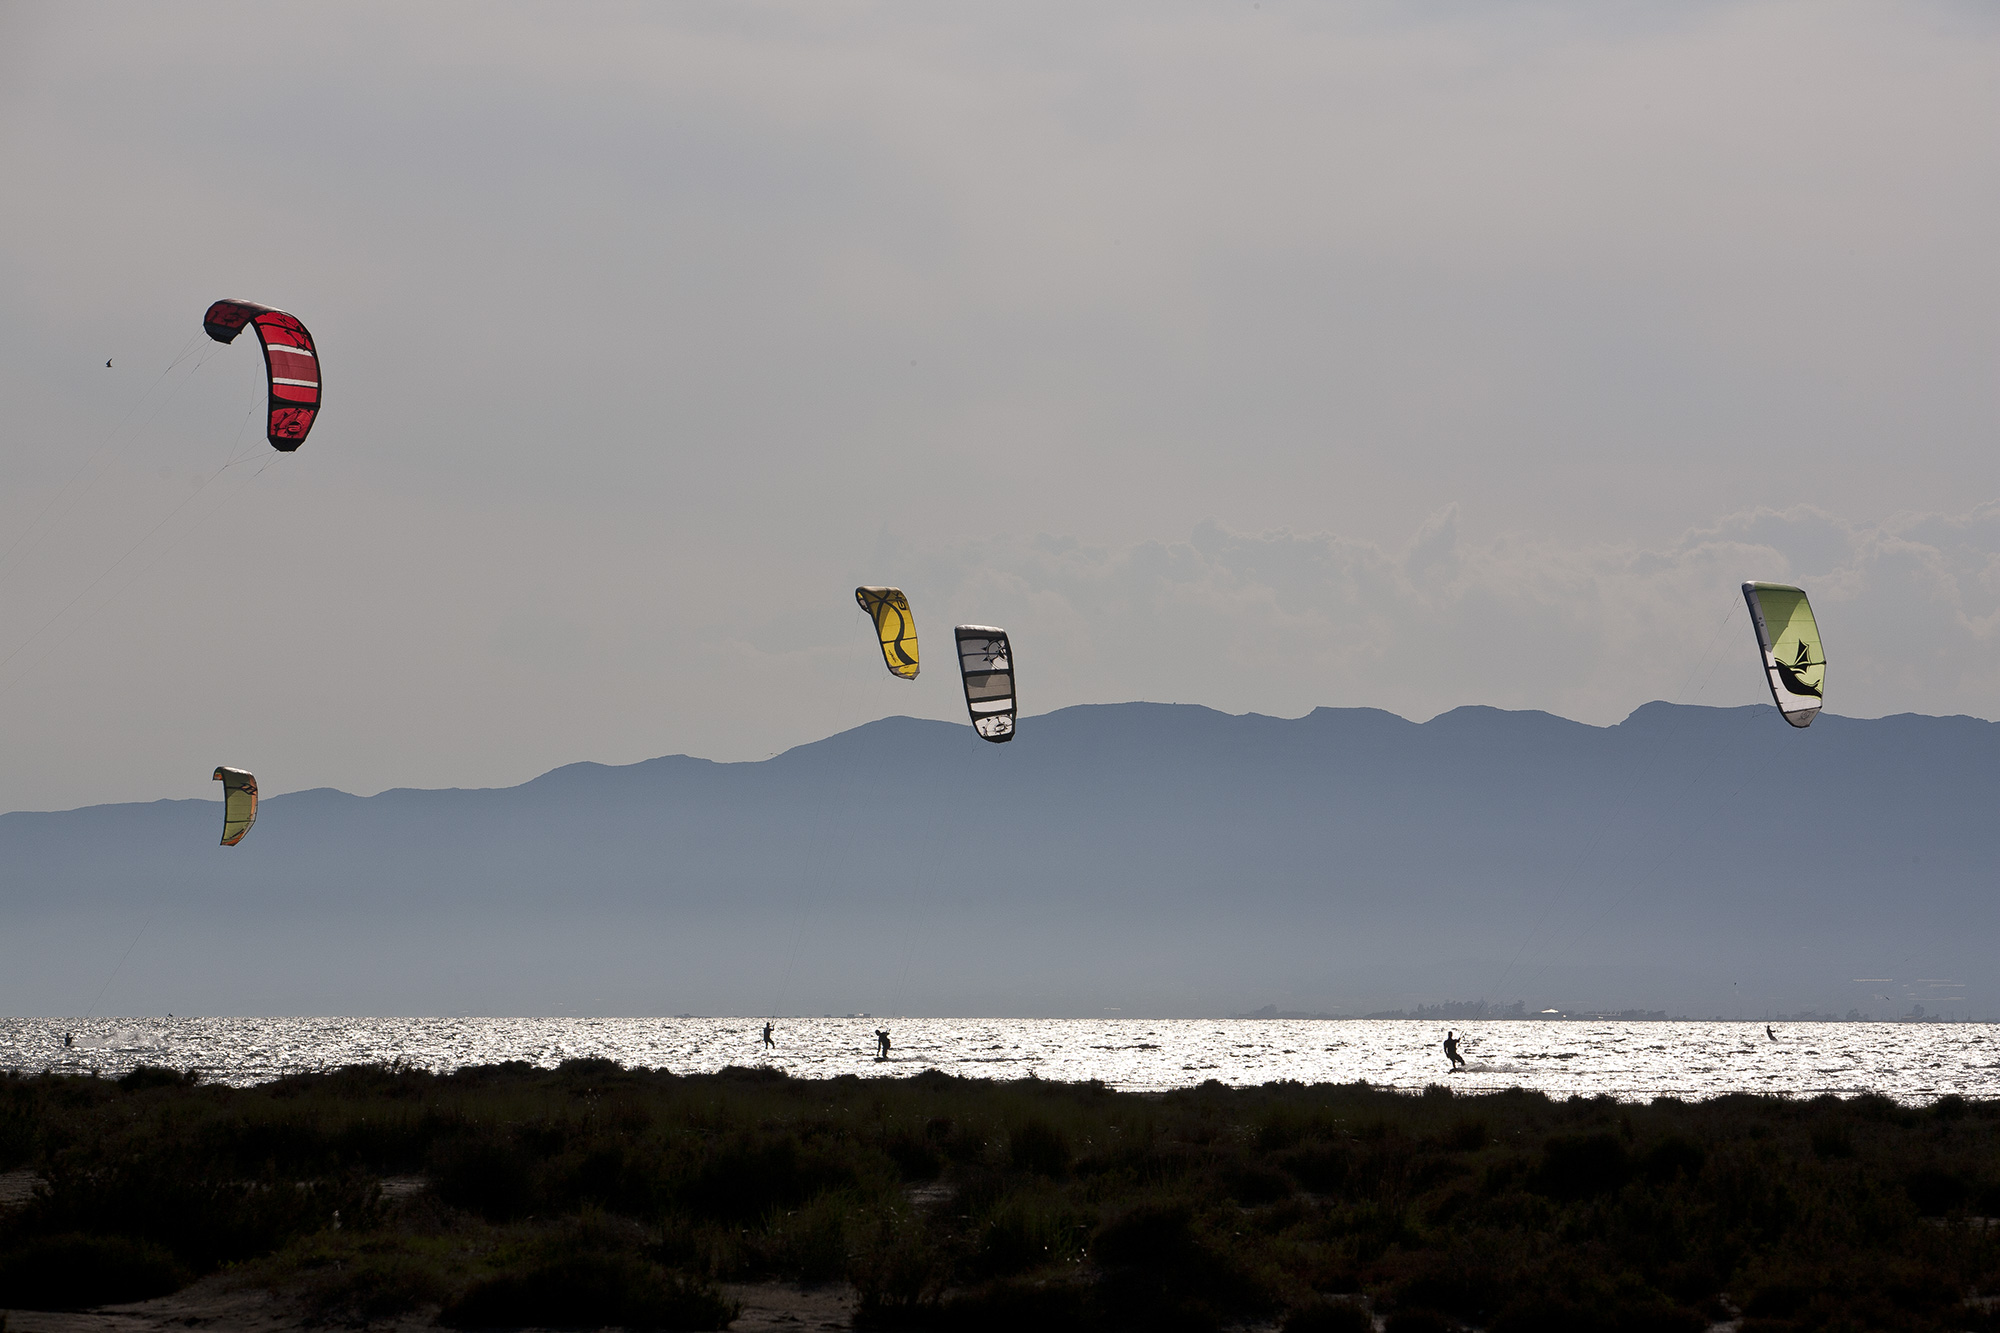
(1056, 1207)
(75, 1272)
(1319, 1167)
(157, 1076)
(1329, 1317)
(1012, 1307)
(1420, 1321)
(591, 1291)
(1151, 1235)
(1040, 1148)
(1672, 1158)
(1778, 1300)
(1934, 1192)
(609, 1175)
(1456, 1287)
(1025, 1232)
(185, 1207)
(751, 1174)
(1467, 1136)
(810, 1243)
(490, 1174)
(915, 1156)
(898, 1270)
(1627, 1307)
(1159, 1274)
(1254, 1183)
(369, 1286)
(1581, 1166)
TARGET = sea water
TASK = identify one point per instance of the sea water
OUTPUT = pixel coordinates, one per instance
(1911, 1062)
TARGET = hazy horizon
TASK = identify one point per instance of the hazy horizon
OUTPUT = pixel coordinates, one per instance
(270, 791)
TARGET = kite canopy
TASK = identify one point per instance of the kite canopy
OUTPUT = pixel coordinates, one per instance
(986, 662)
(289, 361)
(1794, 659)
(894, 626)
(239, 803)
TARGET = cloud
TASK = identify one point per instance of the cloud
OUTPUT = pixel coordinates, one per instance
(1282, 622)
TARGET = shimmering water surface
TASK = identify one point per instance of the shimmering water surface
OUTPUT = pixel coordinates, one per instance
(1911, 1062)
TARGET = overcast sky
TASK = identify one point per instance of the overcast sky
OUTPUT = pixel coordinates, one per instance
(1263, 356)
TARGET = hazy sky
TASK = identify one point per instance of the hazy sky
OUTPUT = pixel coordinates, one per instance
(1257, 355)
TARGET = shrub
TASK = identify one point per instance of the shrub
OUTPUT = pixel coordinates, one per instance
(490, 1174)
(1254, 1183)
(179, 1203)
(75, 1272)
(591, 1291)
(1329, 1317)
(143, 1077)
(751, 1174)
(915, 1156)
(1151, 1235)
(1420, 1321)
(1627, 1308)
(896, 1270)
(1581, 1166)
(1026, 1231)
(362, 1288)
(1319, 1167)
(810, 1243)
(1012, 1306)
(1466, 1136)
(1934, 1192)
(1040, 1148)
(1671, 1158)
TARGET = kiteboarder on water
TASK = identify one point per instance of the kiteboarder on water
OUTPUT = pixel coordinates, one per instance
(1767, 1032)
(1451, 1049)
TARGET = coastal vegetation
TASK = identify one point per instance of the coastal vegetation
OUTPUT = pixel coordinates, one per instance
(594, 1195)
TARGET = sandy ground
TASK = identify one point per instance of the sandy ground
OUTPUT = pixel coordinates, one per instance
(216, 1304)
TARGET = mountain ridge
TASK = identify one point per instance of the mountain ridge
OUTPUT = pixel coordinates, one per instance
(1163, 858)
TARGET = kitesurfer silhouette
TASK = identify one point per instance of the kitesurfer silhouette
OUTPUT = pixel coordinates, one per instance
(881, 1044)
(1451, 1049)
(69, 1039)
(1767, 1032)
(767, 1036)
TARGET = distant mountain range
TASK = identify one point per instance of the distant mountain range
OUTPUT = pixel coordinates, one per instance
(1129, 859)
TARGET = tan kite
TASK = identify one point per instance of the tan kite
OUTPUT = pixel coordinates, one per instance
(239, 803)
